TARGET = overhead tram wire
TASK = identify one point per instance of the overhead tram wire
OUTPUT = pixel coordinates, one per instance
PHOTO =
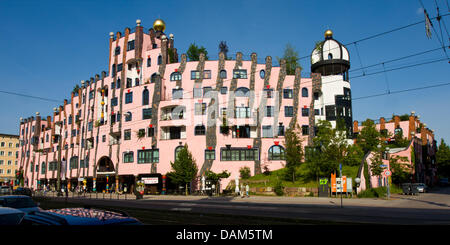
(439, 40)
(29, 96)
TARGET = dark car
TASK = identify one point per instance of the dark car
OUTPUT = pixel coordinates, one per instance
(79, 216)
(5, 190)
(23, 203)
(10, 216)
(23, 191)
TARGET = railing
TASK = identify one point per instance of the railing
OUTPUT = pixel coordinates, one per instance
(85, 195)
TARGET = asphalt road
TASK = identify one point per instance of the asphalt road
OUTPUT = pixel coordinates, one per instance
(426, 208)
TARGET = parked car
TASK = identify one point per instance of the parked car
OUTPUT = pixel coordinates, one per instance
(23, 203)
(422, 188)
(22, 191)
(5, 190)
(10, 216)
(79, 216)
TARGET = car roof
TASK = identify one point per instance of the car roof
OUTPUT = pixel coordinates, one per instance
(6, 210)
(84, 216)
(14, 196)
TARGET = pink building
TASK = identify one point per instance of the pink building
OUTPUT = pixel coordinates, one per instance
(127, 124)
(420, 154)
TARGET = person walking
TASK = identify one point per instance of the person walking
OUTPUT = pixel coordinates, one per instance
(247, 189)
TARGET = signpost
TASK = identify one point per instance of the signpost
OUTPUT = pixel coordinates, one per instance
(387, 173)
(340, 175)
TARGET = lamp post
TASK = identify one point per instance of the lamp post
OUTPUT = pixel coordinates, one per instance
(388, 189)
(357, 181)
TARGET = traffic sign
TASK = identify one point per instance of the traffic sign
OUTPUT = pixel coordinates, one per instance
(383, 165)
(387, 173)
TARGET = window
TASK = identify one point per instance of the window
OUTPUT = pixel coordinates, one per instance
(268, 92)
(127, 134)
(145, 97)
(398, 131)
(305, 130)
(149, 62)
(240, 73)
(130, 45)
(223, 74)
(119, 67)
(153, 78)
(269, 111)
(128, 116)
(195, 75)
(129, 83)
(177, 150)
(160, 60)
(175, 76)
(288, 111)
(114, 101)
(317, 112)
(239, 154)
(150, 132)
(117, 50)
(177, 93)
(73, 163)
(316, 95)
(103, 138)
(242, 92)
(136, 82)
(207, 92)
(210, 154)
(330, 56)
(69, 121)
(276, 152)
(304, 92)
(197, 92)
(90, 126)
(43, 168)
(200, 108)
(148, 156)
(147, 113)
(118, 83)
(280, 130)
(288, 93)
(223, 90)
(128, 157)
(262, 74)
(241, 131)
(267, 131)
(200, 130)
(129, 98)
(242, 112)
(305, 112)
(207, 74)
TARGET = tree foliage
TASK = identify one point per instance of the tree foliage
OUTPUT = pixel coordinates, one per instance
(330, 150)
(194, 52)
(369, 137)
(244, 172)
(184, 168)
(401, 170)
(443, 159)
(292, 59)
(223, 48)
(294, 151)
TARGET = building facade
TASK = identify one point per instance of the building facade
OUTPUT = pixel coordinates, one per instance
(9, 156)
(419, 155)
(127, 124)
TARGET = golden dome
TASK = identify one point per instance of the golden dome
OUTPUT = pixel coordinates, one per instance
(159, 25)
(328, 33)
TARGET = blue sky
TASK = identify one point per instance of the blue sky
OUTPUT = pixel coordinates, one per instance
(49, 46)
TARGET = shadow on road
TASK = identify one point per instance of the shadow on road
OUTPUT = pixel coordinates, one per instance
(423, 201)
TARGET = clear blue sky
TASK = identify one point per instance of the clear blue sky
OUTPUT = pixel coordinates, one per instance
(49, 46)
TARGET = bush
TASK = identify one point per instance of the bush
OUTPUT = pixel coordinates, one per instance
(245, 172)
(279, 188)
(373, 193)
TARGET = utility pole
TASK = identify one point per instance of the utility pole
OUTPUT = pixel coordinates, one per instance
(58, 182)
(340, 175)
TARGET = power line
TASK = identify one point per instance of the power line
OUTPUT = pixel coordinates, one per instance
(28, 96)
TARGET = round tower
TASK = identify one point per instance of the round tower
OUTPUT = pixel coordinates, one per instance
(333, 102)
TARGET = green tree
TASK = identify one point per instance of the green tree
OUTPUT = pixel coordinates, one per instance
(369, 137)
(400, 169)
(184, 168)
(216, 177)
(331, 148)
(194, 52)
(292, 59)
(245, 172)
(75, 89)
(443, 159)
(294, 151)
(354, 155)
(223, 48)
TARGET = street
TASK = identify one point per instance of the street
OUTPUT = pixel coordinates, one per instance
(426, 208)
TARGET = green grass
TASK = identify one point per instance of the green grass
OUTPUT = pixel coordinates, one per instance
(301, 181)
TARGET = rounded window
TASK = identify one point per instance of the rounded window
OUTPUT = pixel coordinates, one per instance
(262, 74)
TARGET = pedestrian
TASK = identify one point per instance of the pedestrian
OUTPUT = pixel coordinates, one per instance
(247, 188)
(125, 188)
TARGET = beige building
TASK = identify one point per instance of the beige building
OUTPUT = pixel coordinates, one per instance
(9, 155)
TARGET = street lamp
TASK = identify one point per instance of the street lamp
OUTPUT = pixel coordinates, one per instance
(357, 181)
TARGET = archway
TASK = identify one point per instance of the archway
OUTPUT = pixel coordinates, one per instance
(106, 175)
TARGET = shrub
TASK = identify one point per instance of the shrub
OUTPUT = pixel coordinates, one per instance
(279, 188)
(245, 172)
(373, 193)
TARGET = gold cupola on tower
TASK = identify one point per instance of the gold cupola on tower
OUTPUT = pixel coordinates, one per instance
(159, 25)
(328, 34)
